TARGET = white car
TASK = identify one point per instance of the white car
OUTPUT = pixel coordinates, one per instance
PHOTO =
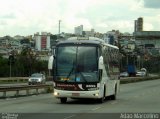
(142, 72)
(37, 78)
(124, 74)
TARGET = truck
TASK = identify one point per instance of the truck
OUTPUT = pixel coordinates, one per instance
(131, 69)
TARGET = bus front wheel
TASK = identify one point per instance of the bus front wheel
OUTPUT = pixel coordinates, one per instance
(63, 100)
(102, 99)
(114, 96)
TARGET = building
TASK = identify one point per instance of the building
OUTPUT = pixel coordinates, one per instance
(138, 24)
(148, 37)
(111, 37)
(78, 30)
(8, 45)
(9, 42)
(148, 42)
(18, 37)
(42, 42)
(89, 33)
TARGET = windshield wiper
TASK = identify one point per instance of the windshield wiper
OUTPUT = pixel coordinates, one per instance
(83, 77)
(71, 71)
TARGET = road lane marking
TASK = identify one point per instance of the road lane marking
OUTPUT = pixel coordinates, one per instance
(10, 98)
(114, 102)
(96, 108)
(136, 96)
(69, 117)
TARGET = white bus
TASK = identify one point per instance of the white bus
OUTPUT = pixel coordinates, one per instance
(85, 68)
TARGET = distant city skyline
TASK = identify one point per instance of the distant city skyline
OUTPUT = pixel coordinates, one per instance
(26, 17)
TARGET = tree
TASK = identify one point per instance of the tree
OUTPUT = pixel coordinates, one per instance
(26, 63)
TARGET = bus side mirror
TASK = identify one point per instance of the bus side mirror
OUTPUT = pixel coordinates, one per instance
(100, 62)
(54, 50)
(50, 62)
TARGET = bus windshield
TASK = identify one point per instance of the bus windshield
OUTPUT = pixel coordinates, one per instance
(77, 64)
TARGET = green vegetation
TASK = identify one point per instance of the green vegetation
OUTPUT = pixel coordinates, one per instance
(12, 80)
(49, 89)
(24, 65)
(153, 65)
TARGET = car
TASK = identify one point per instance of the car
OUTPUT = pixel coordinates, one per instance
(37, 78)
(142, 72)
(124, 74)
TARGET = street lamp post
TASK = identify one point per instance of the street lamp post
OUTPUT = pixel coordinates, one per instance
(10, 67)
(59, 28)
(11, 61)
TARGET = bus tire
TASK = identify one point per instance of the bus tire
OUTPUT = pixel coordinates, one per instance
(114, 96)
(101, 100)
(63, 100)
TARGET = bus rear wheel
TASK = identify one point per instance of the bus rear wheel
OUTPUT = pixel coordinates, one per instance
(63, 100)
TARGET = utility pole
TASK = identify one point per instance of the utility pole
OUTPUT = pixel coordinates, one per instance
(10, 62)
(59, 28)
(10, 67)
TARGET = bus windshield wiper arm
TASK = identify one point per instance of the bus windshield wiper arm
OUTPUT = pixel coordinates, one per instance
(71, 71)
(83, 77)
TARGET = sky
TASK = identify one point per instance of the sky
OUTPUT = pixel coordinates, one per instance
(26, 17)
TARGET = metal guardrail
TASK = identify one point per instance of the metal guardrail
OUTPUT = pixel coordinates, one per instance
(13, 79)
(19, 79)
(137, 79)
(49, 87)
(17, 89)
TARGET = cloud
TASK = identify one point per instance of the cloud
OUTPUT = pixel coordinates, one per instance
(152, 23)
(155, 4)
(148, 27)
(3, 23)
(26, 17)
(125, 26)
(8, 16)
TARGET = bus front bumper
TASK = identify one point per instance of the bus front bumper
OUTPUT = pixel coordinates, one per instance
(77, 94)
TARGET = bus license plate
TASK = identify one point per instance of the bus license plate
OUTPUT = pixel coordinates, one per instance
(75, 94)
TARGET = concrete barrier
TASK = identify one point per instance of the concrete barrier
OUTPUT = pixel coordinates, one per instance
(49, 88)
(27, 88)
(137, 79)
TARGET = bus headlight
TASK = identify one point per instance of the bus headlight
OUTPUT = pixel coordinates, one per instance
(56, 93)
(97, 94)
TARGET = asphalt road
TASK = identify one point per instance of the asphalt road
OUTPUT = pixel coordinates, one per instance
(140, 97)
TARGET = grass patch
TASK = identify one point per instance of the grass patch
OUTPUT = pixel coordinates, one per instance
(13, 81)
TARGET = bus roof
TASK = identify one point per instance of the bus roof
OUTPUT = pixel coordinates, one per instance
(87, 40)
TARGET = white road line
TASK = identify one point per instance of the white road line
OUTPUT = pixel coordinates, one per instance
(69, 117)
(136, 96)
(114, 102)
(143, 94)
(10, 98)
(96, 108)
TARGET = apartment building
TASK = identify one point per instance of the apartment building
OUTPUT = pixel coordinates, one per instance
(42, 42)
